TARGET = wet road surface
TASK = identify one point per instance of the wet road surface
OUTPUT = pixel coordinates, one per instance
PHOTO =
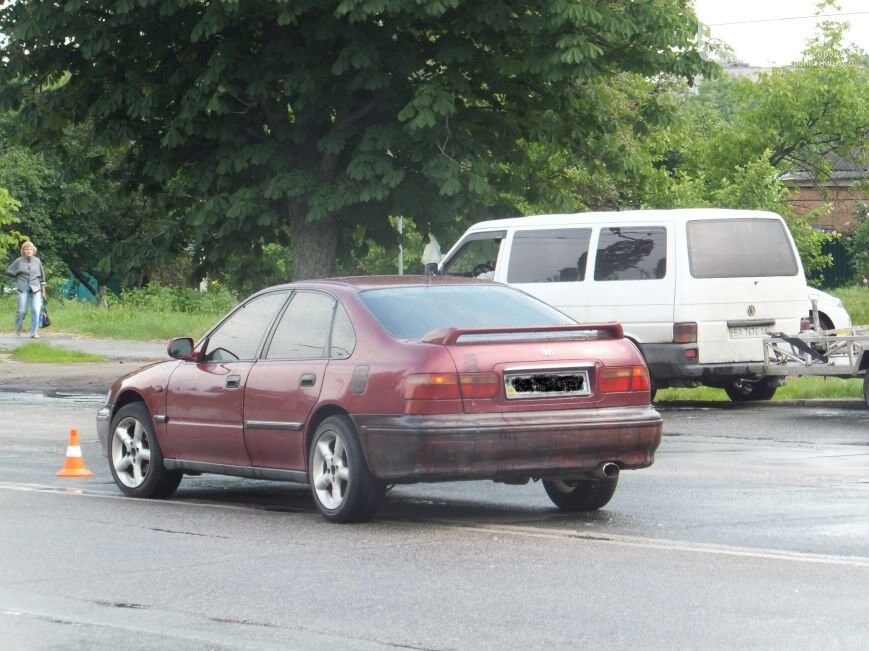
(752, 527)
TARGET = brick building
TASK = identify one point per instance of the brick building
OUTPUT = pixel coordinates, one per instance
(843, 190)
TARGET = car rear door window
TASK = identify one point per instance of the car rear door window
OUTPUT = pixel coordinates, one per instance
(303, 329)
(633, 253)
(343, 336)
(239, 336)
(549, 255)
(739, 248)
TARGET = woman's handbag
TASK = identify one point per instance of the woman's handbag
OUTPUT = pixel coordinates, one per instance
(44, 320)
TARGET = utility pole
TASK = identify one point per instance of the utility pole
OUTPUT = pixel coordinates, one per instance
(400, 246)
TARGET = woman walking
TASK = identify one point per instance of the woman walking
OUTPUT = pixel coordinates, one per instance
(29, 276)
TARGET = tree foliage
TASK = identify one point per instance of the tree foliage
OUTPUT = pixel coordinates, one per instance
(73, 199)
(8, 237)
(733, 139)
(266, 121)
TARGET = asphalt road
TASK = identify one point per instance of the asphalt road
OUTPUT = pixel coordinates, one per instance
(752, 529)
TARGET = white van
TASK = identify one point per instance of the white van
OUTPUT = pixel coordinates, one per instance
(695, 289)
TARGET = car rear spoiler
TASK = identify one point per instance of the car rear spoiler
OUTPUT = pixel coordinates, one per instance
(585, 331)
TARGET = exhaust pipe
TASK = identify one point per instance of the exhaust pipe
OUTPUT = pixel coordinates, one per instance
(608, 470)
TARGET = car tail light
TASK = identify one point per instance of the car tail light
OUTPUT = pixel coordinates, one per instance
(626, 378)
(432, 386)
(685, 332)
(479, 385)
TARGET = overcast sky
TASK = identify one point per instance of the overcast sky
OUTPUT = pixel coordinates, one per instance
(774, 32)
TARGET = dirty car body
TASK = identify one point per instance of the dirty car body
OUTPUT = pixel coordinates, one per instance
(353, 384)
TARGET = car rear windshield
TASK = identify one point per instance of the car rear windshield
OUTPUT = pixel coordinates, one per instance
(739, 248)
(413, 312)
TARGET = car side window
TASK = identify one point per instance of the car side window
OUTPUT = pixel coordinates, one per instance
(343, 336)
(550, 255)
(303, 330)
(477, 256)
(239, 337)
(634, 253)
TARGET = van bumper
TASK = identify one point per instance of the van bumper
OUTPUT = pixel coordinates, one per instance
(667, 362)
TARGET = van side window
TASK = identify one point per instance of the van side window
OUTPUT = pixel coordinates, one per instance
(635, 253)
(477, 256)
(549, 256)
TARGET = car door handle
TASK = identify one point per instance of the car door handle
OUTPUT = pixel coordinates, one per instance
(233, 381)
(307, 380)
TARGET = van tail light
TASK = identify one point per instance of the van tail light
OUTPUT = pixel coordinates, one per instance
(685, 332)
(479, 385)
(432, 386)
(624, 378)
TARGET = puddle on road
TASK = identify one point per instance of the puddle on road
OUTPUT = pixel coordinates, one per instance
(51, 398)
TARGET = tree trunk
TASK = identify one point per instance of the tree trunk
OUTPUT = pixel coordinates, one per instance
(314, 246)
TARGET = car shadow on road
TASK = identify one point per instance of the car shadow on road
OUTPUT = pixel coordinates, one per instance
(404, 503)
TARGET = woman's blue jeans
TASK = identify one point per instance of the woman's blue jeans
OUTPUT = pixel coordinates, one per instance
(33, 300)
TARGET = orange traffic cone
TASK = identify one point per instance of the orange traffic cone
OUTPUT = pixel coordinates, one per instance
(74, 464)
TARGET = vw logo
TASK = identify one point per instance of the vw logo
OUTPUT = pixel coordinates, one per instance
(547, 352)
(751, 310)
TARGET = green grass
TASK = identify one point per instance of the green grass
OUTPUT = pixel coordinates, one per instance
(42, 353)
(801, 388)
(120, 320)
(856, 299)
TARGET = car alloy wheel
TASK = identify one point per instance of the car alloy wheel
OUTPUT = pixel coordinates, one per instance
(343, 488)
(131, 452)
(134, 455)
(330, 470)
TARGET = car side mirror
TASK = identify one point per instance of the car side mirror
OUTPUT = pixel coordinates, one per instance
(180, 348)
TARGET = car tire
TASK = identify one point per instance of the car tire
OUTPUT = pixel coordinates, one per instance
(135, 458)
(580, 494)
(745, 391)
(342, 486)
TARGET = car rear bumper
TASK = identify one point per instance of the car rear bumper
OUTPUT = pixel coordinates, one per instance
(507, 446)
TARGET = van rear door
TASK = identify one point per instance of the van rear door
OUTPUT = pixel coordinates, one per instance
(744, 279)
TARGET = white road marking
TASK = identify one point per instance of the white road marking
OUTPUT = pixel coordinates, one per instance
(524, 531)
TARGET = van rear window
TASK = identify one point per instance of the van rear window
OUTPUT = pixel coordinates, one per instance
(739, 248)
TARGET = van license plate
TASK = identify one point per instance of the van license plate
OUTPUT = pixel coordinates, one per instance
(746, 332)
(546, 385)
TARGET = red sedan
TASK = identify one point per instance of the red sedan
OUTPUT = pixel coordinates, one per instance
(353, 384)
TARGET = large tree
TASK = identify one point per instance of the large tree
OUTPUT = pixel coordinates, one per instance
(276, 120)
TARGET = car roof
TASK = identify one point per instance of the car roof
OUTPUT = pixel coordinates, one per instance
(610, 217)
(362, 283)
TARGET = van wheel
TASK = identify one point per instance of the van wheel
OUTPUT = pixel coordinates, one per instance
(743, 390)
(866, 387)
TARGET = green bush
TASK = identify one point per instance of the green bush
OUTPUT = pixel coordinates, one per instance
(216, 300)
